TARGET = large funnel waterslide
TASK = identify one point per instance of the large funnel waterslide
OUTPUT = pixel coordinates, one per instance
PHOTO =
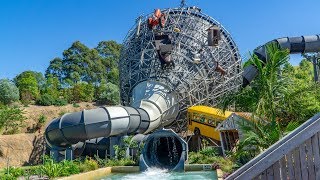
(186, 59)
(302, 44)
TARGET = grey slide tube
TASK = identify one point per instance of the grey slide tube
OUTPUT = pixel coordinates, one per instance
(153, 105)
(77, 127)
(302, 44)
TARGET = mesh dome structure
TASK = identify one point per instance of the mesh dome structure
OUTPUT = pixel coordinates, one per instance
(195, 76)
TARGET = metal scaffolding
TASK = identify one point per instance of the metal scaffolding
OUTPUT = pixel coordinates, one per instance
(201, 73)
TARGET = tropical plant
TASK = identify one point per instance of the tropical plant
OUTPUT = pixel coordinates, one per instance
(50, 168)
(266, 93)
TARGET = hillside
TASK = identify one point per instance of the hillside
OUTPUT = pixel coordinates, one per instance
(26, 148)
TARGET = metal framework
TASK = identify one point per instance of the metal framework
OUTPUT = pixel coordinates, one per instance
(195, 83)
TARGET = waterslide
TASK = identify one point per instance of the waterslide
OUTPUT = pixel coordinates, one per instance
(302, 44)
(153, 105)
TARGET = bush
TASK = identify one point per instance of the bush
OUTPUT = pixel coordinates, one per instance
(88, 165)
(28, 84)
(209, 156)
(69, 168)
(120, 162)
(46, 100)
(12, 173)
(9, 92)
(109, 94)
(82, 92)
(60, 102)
(11, 119)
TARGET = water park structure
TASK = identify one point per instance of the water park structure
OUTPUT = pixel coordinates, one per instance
(172, 60)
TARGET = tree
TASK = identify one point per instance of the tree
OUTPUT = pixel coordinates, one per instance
(82, 64)
(11, 119)
(52, 86)
(9, 91)
(303, 100)
(55, 68)
(109, 94)
(82, 92)
(28, 83)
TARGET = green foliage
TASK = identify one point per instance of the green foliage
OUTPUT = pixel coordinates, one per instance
(45, 100)
(204, 156)
(88, 165)
(265, 95)
(82, 92)
(210, 156)
(303, 100)
(120, 162)
(52, 86)
(9, 92)
(82, 64)
(60, 102)
(12, 173)
(50, 168)
(11, 119)
(69, 168)
(48, 100)
(258, 136)
(53, 169)
(42, 119)
(29, 83)
(109, 94)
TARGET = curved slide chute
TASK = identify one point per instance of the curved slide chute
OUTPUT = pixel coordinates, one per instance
(153, 105)
(302, 44)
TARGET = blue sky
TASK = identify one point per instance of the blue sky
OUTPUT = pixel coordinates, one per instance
(32, 32)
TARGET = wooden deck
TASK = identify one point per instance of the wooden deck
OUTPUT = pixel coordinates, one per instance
(295, 156)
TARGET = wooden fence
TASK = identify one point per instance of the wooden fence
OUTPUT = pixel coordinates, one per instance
(294, 157)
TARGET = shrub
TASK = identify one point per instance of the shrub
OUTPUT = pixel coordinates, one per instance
(69, 168)
(8, 177)
(46, 100)
(50, 168)
(9, 92)
(82, 92)
(120, 162)
(12, 173)
(60, 102)
(109, 94)
(41, 120)
(88, 165)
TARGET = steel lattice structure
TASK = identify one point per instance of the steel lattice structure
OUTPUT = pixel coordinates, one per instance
(195, 83)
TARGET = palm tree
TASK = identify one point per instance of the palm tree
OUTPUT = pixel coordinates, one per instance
(264, 97)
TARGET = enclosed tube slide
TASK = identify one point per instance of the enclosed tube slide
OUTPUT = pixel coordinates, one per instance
(302, 44)
(153, 105)
(164, 149)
